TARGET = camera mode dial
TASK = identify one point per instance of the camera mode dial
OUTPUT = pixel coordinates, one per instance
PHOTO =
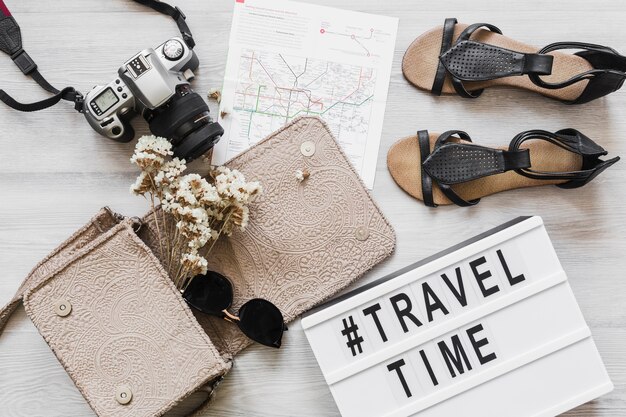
(173, 50)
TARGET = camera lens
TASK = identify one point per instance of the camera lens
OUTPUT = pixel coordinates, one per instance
(186, 122)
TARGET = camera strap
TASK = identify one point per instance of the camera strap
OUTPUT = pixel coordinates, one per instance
(176, 14)
(11, 44)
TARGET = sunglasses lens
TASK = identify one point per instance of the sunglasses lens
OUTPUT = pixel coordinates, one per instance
(211, 293)
(262, 322)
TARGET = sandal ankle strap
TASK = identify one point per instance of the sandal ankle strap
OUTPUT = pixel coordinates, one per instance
(573, 141)
(607, 76)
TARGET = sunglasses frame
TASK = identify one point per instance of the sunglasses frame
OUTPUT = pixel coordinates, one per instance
(235, 318)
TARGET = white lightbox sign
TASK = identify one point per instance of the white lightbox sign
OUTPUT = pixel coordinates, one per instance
(490, 327)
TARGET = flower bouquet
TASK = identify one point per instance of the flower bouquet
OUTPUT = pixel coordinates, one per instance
(194, 211)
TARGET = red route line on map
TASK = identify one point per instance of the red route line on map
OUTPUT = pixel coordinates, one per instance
(352, 34)
(355, 38)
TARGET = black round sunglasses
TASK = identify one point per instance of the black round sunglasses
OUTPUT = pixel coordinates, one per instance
(260, 320)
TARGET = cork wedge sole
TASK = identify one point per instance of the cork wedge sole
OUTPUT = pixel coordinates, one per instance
(403, 162)
(421, 59)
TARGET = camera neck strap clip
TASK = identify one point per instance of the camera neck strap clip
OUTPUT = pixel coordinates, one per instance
(24, 62)
(184, 28)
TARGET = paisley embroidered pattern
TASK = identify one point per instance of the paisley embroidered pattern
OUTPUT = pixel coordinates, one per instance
(100, 223)
(128, 327)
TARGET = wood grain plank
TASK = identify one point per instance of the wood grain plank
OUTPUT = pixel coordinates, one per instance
(55, 172)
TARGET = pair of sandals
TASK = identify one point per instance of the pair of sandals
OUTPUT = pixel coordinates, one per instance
(465, 59)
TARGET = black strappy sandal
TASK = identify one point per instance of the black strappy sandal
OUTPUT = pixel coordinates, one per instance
(464, 172)
(467, 59)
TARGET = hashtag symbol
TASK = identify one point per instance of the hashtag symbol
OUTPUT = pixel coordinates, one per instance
(354, 340)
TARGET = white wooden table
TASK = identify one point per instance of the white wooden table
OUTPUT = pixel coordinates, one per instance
(55, 172)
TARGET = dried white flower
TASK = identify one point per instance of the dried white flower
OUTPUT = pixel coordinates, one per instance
(202, 209)
(154, 144)
(215, 94)
(194, 263)
(142, 184)
(170, 171)
(150, 152)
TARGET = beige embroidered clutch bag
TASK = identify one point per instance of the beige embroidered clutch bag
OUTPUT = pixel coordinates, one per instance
(117, 324)
(306, 240)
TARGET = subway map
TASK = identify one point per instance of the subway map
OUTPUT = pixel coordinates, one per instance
(273, 88)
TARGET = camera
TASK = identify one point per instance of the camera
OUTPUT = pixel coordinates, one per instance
(155, 84)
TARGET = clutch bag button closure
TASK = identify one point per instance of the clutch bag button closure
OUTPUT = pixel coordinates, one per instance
(123, 395)
(307, 148)
(63, 308)
(361, 233)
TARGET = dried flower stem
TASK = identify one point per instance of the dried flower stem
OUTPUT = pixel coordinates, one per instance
(156, 221)
(186, 284)
(167, 237)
